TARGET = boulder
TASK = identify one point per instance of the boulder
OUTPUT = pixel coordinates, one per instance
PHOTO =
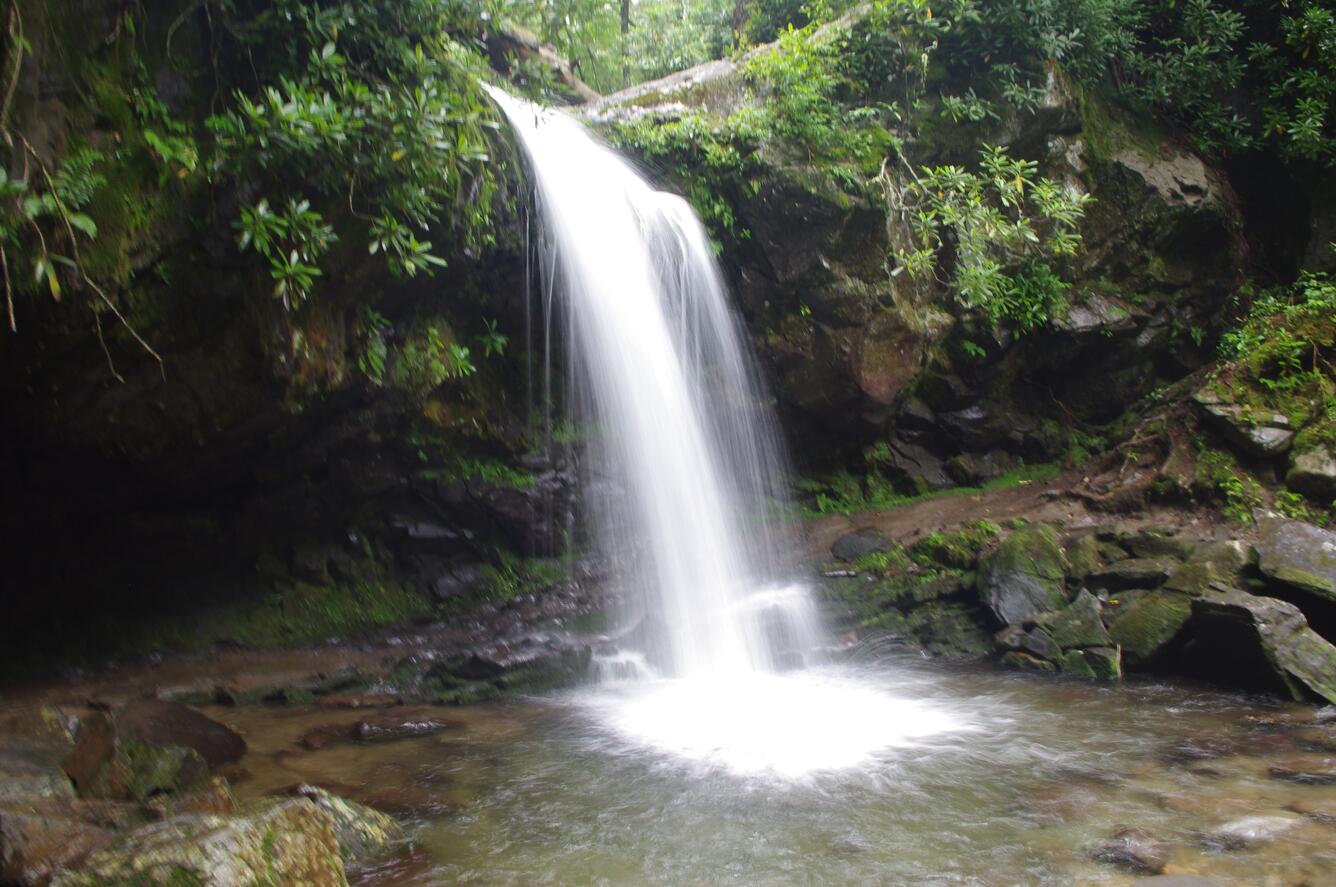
(859, 544)
(1213, 564)
(1078, 624)
(1134, 849)
(292, 842)
(1265, 639)
(361, 831)
(1150, 624)
(156, 722)
(1297, 554)
(1023, 577)
(1263, 436)
(1313, 472)
(104, 765)
(1083, 557)
(1041, 644)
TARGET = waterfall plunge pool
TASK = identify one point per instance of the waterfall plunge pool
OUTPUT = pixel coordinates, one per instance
(983, 778)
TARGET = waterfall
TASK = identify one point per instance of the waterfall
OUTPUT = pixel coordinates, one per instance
(684, 462)
(682, 470)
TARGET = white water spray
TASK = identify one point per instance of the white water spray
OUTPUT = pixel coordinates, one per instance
(682, 469)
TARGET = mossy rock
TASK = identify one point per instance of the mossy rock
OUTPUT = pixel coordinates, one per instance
(361, 831)
(1298, 555)
(1083, 555)
(292, 842)
(1079, 624)
(1096, 663)
(1153, 544)
(1024, 576)
(1150, 624)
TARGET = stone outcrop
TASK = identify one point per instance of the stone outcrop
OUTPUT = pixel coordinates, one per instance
(1096, 602)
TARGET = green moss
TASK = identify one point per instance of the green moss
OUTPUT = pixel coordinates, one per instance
(842, 493)
(960, 549)
(1150, 623)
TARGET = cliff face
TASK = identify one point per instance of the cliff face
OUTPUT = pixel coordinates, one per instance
(862, 355)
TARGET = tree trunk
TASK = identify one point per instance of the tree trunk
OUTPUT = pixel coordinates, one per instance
(626, 29)
(741, 12)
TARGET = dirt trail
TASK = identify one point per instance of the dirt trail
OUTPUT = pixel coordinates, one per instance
(1033, 501)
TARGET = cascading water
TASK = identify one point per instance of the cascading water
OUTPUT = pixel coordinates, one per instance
(682, 467)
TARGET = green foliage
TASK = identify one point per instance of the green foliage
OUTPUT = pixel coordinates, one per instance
(1282, 356)
(1004, 221)
(512, 576)
(430, 356)
(375, 348)
(39, 220)
(959, 550)
(373, 116)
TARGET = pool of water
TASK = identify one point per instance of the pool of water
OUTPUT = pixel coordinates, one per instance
(983, 778)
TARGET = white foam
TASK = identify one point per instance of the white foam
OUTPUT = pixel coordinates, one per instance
(780, 725)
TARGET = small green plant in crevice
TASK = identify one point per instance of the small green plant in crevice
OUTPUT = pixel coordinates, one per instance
(1219, 474)
(430, 356)
(957, 550)
(883, 562)
(375, 347)
(513, 576)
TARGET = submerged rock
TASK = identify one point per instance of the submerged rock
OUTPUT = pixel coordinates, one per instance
(293, 842)
(1312, 770)
(1024, 576)
(1134, 849)
(1250, 831)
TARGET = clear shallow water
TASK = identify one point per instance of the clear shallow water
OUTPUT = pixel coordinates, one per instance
(1026, 776)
